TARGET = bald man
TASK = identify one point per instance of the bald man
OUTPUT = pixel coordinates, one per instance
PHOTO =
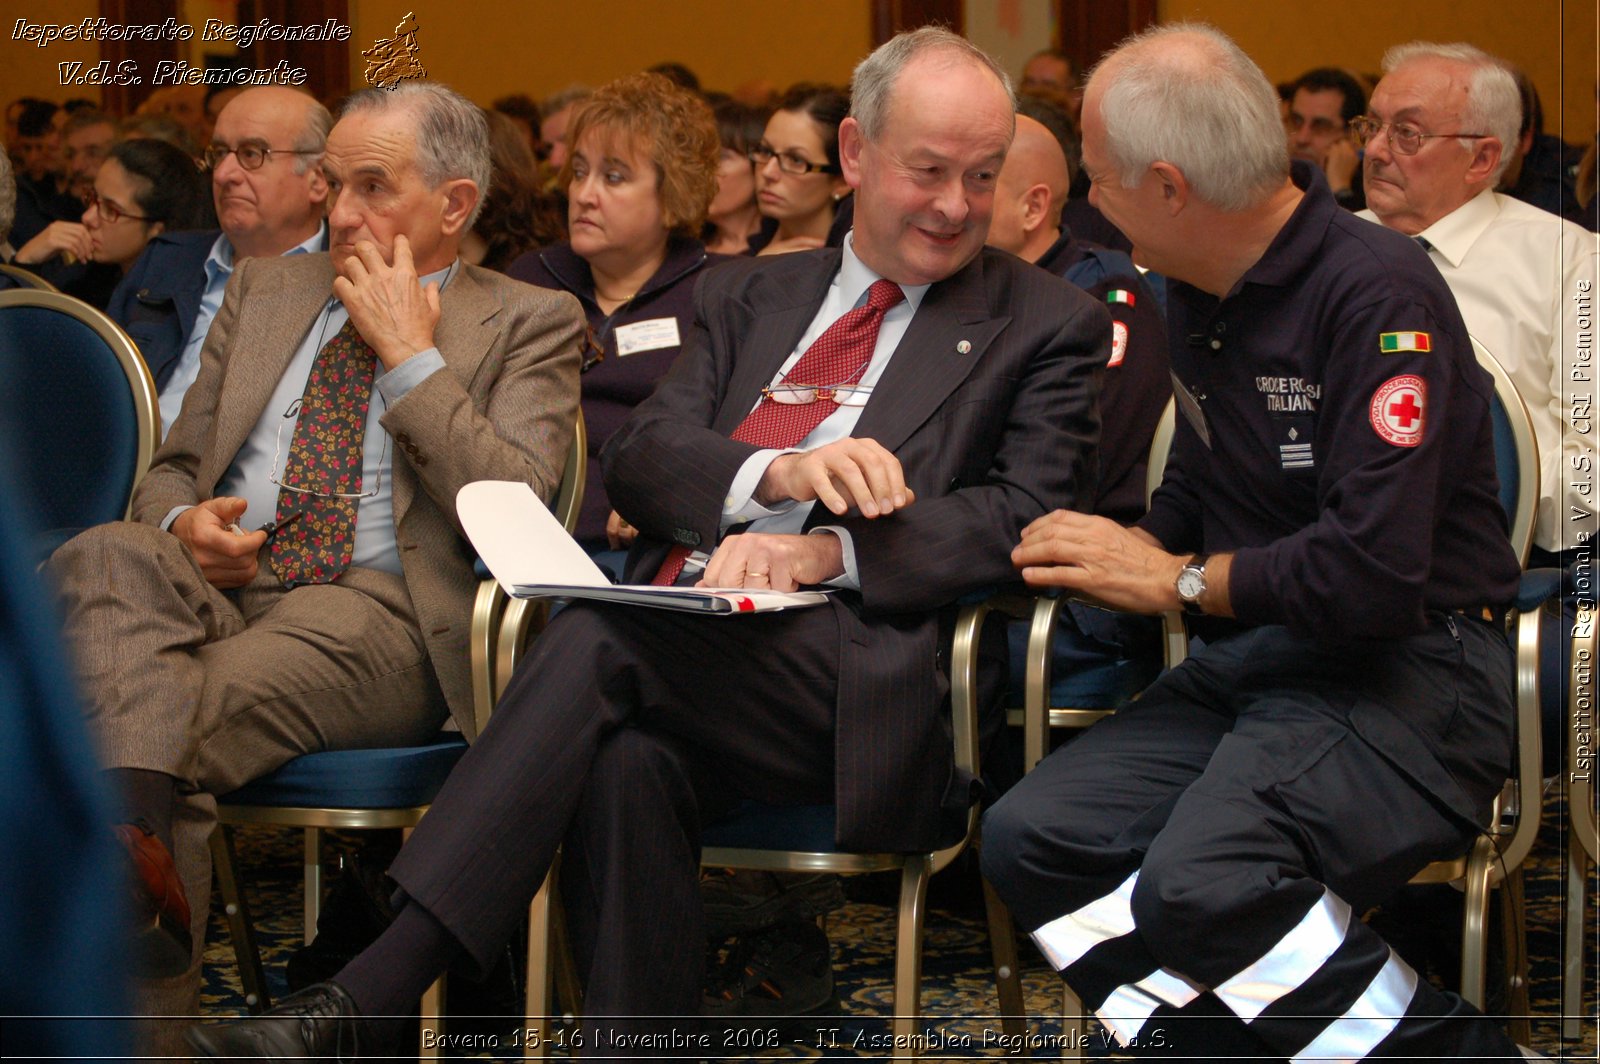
(269, 194)
(1027, 222)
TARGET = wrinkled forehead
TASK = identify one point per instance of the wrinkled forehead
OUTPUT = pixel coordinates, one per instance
(371, 142)
(1424, 91)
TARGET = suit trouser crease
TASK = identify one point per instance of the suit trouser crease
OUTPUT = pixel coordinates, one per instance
(1219, 839)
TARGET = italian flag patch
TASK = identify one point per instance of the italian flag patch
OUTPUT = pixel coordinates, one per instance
(1120, 295)
(1395, 342)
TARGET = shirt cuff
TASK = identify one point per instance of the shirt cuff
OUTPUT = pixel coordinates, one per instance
(172, 515)
(851, 580)
(394, 384)
(740, 506)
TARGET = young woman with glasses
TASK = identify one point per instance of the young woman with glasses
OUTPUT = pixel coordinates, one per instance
(797, 166)
(144, 187)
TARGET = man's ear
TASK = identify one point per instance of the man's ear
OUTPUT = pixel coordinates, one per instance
(1174, 186)
(1035, 207)
(317, 186)
(851, 141)
(460, 196)
(1486, 153)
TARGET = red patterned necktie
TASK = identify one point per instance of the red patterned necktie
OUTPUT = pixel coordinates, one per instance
(839, 355)
(325, 462)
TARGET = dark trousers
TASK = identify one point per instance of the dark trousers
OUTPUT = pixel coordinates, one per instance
(623, 725)
(1204, 856)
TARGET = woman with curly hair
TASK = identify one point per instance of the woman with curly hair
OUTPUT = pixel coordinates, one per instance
(641, 172)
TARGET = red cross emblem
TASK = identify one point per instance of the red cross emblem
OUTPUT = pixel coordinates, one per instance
(1398, 410)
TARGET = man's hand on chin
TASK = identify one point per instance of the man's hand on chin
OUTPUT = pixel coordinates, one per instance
(391, 310)
(765, 562)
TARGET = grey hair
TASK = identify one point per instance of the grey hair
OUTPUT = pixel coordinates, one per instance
(313, 136)
(452, 134)
(8, 196)
(1494, 106)
(1207, 109)
(875, 75)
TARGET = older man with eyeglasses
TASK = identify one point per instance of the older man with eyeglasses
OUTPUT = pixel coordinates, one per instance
(293, 578)
(269, 195)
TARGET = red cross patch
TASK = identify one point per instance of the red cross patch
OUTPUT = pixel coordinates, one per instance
(1397, 410)
(1119, 343)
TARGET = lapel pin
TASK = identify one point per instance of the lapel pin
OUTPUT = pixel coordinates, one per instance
(964, 347)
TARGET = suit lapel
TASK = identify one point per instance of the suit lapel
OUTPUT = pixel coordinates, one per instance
(929, 364)
(263, 345)
(780, 310)
(465, 334)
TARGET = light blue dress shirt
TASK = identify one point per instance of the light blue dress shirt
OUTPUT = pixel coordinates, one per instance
(219, 267)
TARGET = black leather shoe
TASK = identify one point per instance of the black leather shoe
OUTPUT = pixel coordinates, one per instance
(321, 1022)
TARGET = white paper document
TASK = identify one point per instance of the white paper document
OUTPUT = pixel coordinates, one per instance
(532, 556)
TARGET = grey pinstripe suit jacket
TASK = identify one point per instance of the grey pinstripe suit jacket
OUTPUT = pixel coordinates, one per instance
(989, 438)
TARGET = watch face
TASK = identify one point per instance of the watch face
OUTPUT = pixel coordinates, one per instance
(1191, 583)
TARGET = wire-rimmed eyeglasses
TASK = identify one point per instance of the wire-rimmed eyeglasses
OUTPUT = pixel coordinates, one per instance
(291, 415)
(1404, 138)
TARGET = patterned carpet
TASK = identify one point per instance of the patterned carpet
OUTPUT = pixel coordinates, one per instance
(958, 995)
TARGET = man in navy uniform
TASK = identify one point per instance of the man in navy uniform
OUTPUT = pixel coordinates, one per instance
(1197, 865)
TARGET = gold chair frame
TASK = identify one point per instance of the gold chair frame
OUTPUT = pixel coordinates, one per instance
(27, 278)
(141, 386)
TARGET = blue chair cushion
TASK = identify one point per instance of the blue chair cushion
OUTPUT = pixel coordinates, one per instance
(389, 778)
(757, 826)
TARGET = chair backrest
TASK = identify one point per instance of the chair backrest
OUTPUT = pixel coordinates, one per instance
(21, 278)
(77, 408)
(1160, 447)
(1516, 455)
(569, 499)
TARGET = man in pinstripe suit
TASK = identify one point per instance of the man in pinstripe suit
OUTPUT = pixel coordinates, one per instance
(626, 728)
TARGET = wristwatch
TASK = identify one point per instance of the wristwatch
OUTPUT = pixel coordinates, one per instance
(1192, 583)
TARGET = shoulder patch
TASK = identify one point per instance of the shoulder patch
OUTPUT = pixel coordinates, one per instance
(1119, 343)
(1398, 410)
(1392, 343)
(1120, 295)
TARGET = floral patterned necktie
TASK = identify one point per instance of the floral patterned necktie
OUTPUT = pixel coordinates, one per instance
(324, 463)
(838, 355)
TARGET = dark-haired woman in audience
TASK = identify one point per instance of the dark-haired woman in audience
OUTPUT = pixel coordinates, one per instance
(734, 222)
(516, 217)
(798, 179)
(641, 172)
(144, 187)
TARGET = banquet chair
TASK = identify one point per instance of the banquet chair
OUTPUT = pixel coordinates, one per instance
(17, 277)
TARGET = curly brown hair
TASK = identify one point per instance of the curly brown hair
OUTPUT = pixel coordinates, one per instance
(673, 128)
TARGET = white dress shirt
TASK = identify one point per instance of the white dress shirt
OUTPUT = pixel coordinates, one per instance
(1523, 277)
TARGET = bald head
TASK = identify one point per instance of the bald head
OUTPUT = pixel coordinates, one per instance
(1030, 192)
(271, 209)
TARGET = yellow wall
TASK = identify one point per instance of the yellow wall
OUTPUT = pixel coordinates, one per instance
(1553, 40)
(492, 47)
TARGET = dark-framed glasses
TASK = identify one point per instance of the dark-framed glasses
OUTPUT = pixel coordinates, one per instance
(289, 417)
(790, 162)
(1404, 138)
(110, 212)
(250, 156)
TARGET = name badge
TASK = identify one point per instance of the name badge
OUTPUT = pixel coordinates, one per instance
(1189, 406)
(650, 335)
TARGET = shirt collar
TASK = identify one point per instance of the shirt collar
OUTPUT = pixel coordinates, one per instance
(1301, 238)
(221, 260)
(1453, 235)
(855, 277)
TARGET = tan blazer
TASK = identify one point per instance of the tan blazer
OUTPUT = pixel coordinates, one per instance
(503, 410)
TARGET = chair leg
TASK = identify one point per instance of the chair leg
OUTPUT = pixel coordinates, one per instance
(1572, 953)
(313, 881)
(1074, 1025)
(1007, 973)
(538, 1005)
(1474, 922)
(433, 1005)
(240, 928)
(908, 952)
(1515, 933)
